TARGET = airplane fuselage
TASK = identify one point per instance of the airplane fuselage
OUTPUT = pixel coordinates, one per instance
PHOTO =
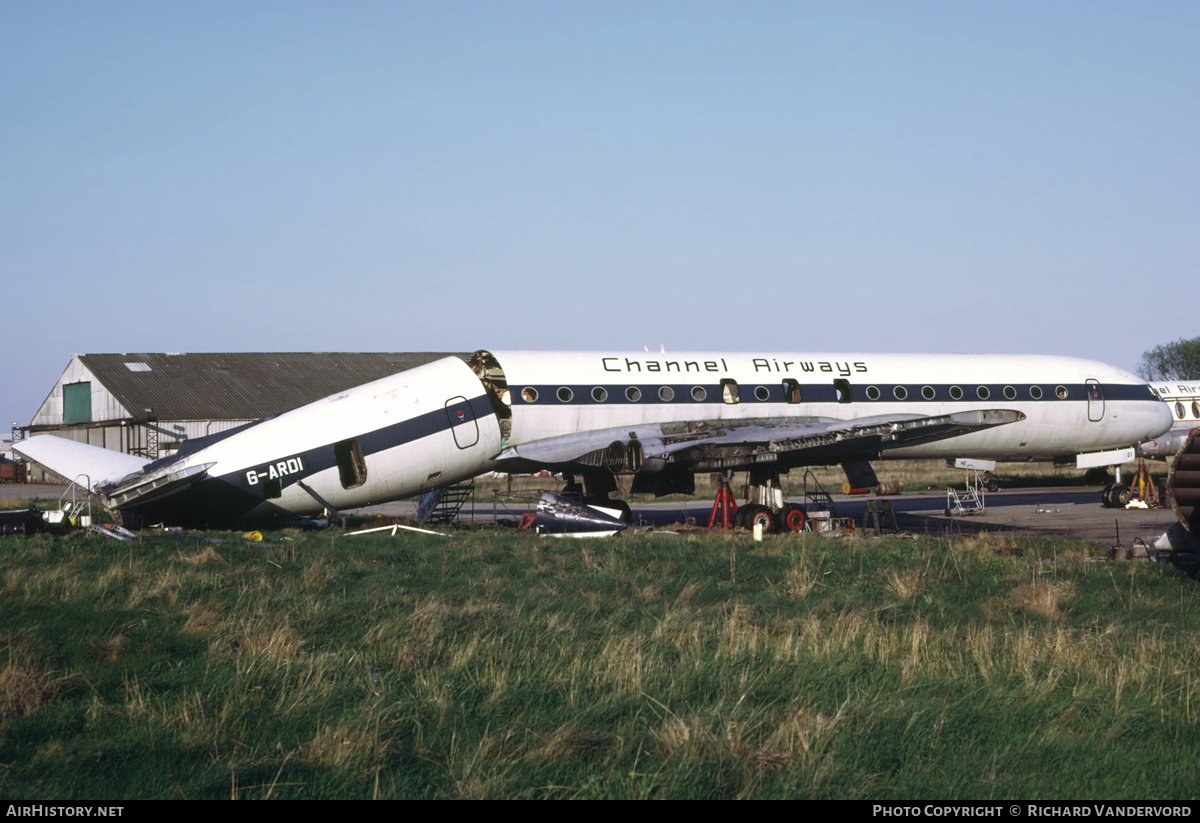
(1070, 405)
(432, 426)
(1183, 398)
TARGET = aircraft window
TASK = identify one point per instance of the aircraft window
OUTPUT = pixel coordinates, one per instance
(565, 394)
(983, 392)
(729, 391)
(666, 394)
(1035, 392)
(900, 393)
(529, 395)
(633, 394)
(842, 389)
(698, 393)
(872, 393)
(1179, 412)
(761, 393)
(1010, 393)
(599, 394)
(955, 393)
(1195, 409)
(1061, 391)
(352, 466)
(927, 392)
(791, 391)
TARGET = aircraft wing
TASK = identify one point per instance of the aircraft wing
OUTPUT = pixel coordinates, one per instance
(88, 466)
(738, 444)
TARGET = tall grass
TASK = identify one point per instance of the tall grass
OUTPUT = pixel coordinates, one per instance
(503, 665)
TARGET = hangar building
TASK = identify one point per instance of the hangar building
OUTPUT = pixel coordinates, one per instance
(147, 404)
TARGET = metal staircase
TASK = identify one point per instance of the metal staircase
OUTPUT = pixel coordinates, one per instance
(442, 505)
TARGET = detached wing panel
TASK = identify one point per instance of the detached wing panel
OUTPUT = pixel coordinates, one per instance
(89, 465)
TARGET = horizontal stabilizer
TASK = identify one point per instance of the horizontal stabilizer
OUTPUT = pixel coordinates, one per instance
(85, 465)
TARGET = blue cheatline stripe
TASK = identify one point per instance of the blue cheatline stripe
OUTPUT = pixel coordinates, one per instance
(776, 392)
(321, 457)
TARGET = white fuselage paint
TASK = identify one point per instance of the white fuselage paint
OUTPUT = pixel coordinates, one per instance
(1183, 398)
(1053, 427)
(285, 445)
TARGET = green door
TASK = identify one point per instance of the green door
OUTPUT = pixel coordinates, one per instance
(77, 403)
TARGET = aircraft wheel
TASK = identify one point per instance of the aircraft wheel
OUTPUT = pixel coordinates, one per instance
(1120, 496)
(1106, 496)
(794, 518)
(742, 519)
(992, 485)
(764, 517)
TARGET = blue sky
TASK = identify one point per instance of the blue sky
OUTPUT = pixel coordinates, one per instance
(362, 176)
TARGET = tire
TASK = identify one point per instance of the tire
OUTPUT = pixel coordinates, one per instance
(741, 520)
(794, 518)
(739, 517)
(1120, 496)
(1106, 496)
(991, 485)
(764, 516)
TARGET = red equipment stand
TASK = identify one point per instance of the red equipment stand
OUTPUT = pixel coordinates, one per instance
(725, 504)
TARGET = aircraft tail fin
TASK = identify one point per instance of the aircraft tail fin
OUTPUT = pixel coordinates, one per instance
(85, 465)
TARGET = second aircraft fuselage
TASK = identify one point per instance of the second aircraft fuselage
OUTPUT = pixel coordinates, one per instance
(1070, 405)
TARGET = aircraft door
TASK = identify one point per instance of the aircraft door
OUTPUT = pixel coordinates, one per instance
(463, 425)
(1095, 397)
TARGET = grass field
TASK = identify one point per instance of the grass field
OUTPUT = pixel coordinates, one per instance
(496, 665)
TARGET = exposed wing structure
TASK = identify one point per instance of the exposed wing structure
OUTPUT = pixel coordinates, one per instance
(725, 445)
(166, 480)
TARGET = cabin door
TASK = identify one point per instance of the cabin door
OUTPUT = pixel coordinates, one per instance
(1095, 401)
(462, 422)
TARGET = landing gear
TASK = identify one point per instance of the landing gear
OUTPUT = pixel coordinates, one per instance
(756, 515)
(1115, 496)
(794, 518)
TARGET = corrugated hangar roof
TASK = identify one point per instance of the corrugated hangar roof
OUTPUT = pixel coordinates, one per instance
(241, 385)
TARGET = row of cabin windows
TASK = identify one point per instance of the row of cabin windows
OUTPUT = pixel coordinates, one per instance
(729, 393)
(1181, 410)
(956, 392)
(791, 392)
